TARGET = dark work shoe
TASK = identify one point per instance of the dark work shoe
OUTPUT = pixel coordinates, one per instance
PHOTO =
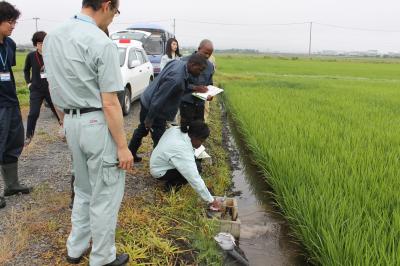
(71, 204)
(2, 202)
(71, 260)
(121, 259)
(137, 159)
(16, 190)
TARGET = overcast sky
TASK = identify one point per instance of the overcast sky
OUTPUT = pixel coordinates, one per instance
(244, 24)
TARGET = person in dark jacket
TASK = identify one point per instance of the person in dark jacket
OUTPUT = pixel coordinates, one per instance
(37, 84)
(192, 108)
(11, 127)
(160, 101)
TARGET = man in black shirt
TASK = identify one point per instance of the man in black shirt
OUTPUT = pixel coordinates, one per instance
(192, 108)
(11, 127)
(37, 84)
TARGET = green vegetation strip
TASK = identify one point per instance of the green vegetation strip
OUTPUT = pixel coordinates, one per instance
(330, 148)
(158, 228)
(22, 88)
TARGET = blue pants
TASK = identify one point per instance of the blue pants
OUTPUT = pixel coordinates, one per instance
(11, 134)
(158, 128)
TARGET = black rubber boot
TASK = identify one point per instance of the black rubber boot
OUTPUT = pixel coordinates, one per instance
(121, 259)
(2, 202)
(10, 176)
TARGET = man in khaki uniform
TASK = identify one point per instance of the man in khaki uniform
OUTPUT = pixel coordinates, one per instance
(82, 67)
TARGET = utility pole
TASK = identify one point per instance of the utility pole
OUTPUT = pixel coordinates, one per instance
(36, 22)
(174, 27)
(310, 43)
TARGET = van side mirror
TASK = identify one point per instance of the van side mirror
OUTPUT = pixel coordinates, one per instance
(134, 63)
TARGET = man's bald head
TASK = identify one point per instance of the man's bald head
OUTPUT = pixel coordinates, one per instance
(206, 48)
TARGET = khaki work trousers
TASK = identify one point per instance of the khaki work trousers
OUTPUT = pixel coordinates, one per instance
(99, 187)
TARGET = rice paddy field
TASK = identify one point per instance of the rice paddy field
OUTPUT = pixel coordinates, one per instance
(326, 133)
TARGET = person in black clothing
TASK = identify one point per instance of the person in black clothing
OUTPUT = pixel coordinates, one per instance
(37, 84)
(11, 127)
(192, 108)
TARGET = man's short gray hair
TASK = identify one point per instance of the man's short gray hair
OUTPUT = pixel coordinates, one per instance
(205, 42)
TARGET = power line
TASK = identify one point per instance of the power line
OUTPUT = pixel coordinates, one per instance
(236, 24)
(356, 29)
(242, 24)
(140, 21)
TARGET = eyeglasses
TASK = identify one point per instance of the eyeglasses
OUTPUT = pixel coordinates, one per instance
(117, 12)
(12, 22)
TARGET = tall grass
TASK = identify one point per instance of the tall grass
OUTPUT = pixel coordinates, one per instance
(330, 148)
(22, 88)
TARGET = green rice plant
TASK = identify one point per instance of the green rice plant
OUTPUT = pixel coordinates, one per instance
(326, 135)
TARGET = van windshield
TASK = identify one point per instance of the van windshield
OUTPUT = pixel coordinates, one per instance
(154, 45)
(122, 55)
(130, 35)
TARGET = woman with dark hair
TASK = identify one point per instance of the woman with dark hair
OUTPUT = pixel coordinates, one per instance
(173, 159)
(171, 53)
(37, 84)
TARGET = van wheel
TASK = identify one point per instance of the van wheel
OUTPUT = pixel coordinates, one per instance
(126, 108)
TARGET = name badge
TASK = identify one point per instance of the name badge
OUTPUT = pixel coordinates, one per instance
(5, 76)
(42, 75)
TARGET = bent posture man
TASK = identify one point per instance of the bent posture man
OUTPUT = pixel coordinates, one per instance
(83, 71)
(11, 127)
(160, 101)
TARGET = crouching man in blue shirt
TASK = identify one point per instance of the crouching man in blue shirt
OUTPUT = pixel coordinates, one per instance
(173, 159)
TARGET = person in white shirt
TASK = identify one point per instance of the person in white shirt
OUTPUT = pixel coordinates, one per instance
(171, 53)
(173, 159)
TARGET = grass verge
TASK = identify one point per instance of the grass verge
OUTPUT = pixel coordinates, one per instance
(159, 228)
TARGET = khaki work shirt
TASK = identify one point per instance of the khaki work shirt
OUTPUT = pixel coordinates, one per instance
(81, 62)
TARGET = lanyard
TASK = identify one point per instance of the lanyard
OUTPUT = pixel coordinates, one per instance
(84, 20)
(38, 60)
(4, 61)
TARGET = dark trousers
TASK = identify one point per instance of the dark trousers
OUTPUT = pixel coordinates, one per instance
(190, 112)
(36, 100)
(158, 129)
(11, 134)
(174, 179)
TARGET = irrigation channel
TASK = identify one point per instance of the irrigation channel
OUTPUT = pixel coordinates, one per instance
(264, 233)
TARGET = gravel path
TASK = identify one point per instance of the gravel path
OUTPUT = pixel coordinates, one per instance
(46, 165)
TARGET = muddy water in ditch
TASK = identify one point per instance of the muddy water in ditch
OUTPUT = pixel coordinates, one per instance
(264, 233)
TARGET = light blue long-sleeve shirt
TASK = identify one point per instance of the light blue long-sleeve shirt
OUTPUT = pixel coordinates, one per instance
(81, 63)
(175, 151)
